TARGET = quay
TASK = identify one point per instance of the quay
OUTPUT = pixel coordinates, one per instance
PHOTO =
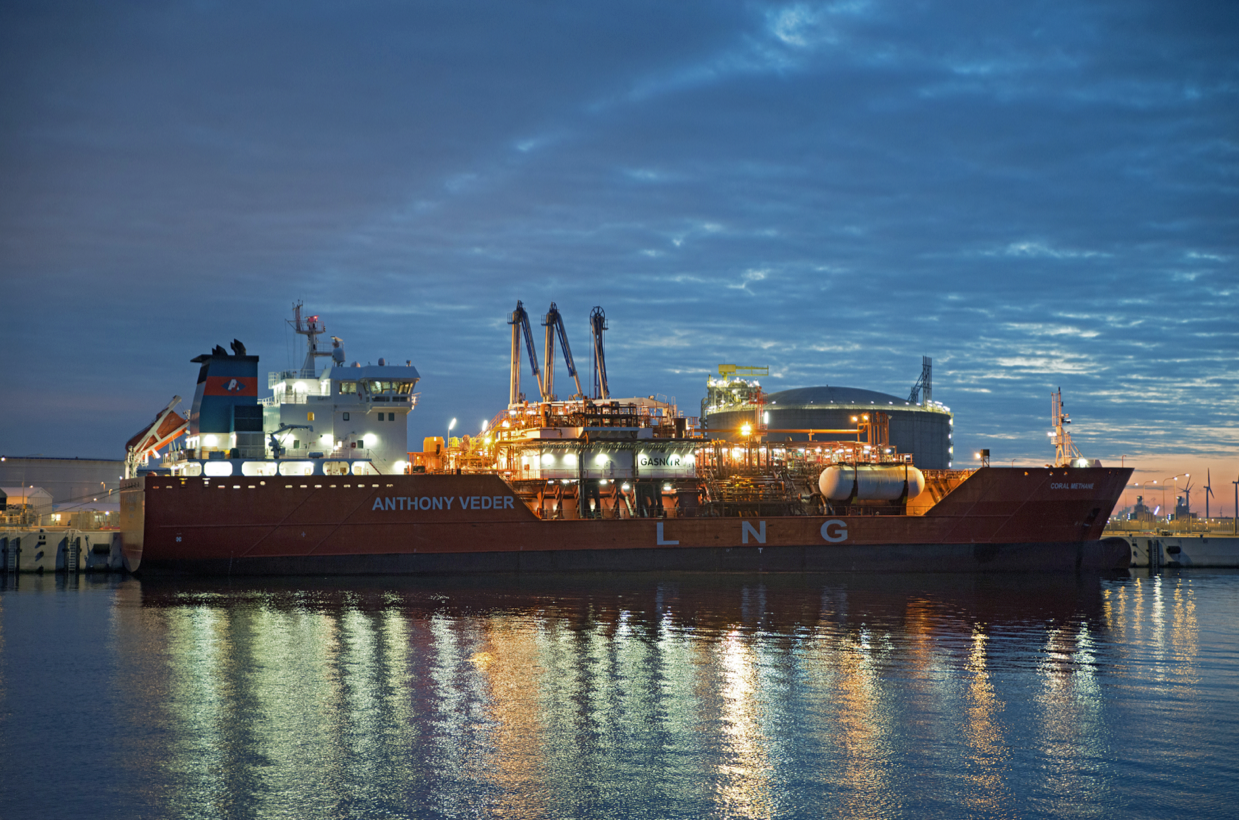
(60, 549)
(1158, 550)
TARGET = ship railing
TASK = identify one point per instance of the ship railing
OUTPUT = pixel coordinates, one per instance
(292, 397)
(274, 377)
(353, 453)
(594, 415)
(295, 397)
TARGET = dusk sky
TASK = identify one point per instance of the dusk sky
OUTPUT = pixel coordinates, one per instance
(1035, 195)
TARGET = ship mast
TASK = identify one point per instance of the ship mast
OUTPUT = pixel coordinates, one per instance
(311, 328)
(1064, 451)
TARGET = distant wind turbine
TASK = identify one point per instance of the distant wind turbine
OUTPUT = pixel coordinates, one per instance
(1208, 492)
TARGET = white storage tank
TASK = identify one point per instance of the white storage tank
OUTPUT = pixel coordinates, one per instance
(872, 482)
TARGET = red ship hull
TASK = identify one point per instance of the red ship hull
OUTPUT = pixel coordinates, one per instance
(998, 519)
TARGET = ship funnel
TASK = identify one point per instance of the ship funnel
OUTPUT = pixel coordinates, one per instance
(226, 400)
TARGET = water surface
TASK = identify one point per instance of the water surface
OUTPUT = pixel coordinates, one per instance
(639, 696)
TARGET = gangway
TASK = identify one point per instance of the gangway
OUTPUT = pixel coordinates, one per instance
(729, 370)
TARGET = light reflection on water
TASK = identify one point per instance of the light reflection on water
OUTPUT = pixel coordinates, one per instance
(638, 696)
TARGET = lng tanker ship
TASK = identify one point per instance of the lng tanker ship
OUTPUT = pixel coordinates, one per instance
(316, 479)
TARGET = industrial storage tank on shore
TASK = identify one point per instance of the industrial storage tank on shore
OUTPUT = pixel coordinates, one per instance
(922, 430)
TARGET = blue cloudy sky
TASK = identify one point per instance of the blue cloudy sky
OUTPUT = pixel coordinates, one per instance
(1036, 195)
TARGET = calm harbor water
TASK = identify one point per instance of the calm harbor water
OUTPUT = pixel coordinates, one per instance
(630, 697)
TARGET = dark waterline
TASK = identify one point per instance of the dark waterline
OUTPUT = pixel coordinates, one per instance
(622, 696)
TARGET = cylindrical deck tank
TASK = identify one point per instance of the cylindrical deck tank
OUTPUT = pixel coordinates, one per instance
(872, 482)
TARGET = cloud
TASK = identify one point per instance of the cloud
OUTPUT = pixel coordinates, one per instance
(1033, 196)
(1040, 249)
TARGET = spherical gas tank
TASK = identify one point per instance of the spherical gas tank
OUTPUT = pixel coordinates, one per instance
(873, 482)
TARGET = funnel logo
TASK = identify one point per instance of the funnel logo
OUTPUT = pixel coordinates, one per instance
(231, 386)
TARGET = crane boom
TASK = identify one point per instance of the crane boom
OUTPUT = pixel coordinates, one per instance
(520, 323)
(554, 324)
(598, 323)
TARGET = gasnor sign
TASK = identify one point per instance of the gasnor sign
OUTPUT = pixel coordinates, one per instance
(665, 463)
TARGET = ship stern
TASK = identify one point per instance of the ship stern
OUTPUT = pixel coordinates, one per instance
(132, 521)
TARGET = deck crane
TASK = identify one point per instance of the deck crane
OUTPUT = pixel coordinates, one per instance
(520, 323)
(554, 324)
(278, 449)
(597, 324)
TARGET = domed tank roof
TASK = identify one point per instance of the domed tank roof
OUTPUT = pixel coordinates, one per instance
(834, 395)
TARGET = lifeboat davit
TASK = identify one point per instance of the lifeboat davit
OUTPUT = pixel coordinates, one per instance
(870, 482)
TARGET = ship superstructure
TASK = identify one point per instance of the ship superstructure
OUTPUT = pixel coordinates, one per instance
(342, 419)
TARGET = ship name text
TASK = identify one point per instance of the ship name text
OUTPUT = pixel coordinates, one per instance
(445, 502)
(1063, 485)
